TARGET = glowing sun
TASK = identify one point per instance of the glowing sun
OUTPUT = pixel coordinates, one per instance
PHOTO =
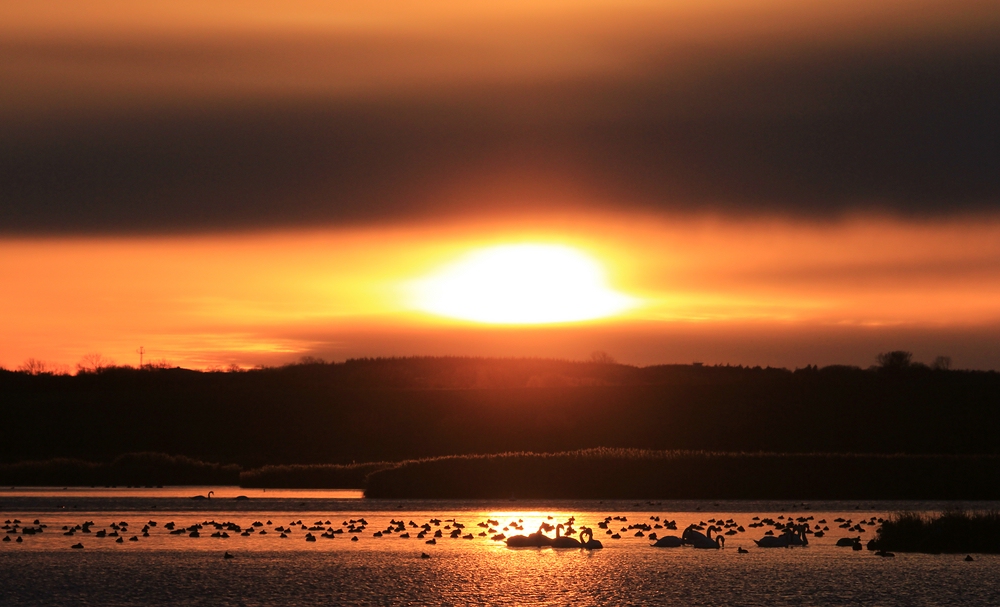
(521, 284)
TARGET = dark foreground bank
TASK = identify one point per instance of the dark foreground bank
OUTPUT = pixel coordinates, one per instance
(584, 474)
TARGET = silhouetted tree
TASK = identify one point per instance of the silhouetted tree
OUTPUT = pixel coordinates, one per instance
(93, 363)
(158, 364)
(941, 363)
(603, 358)
(897, 359)
(311, 360)
(33, 366)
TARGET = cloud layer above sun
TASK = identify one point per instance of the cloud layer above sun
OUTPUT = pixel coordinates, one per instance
(169, 117)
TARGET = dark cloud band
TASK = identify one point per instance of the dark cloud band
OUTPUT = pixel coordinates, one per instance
(814, 130)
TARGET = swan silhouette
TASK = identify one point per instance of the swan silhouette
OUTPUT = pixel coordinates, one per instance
(789, 537)
(797, 536)
(533, 540)
(770, 541)
(589, 543)
(700, 540)
(202, 497)
(563, 541)
(668, 541)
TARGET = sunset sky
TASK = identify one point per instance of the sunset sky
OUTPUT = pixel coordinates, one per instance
(746, 182)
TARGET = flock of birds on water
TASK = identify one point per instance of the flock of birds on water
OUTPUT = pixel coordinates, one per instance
(780, 532)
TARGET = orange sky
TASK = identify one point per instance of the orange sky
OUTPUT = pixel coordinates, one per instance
(770, 182)
(269, 297)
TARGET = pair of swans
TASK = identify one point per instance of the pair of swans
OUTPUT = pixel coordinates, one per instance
(538, 539)
(693, 537)
(532, 540)
(700, 540)
(791, 536)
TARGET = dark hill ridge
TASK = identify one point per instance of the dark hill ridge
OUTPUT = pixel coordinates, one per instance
(396, 409)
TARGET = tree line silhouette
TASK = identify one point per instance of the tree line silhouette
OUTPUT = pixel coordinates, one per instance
(396, 409)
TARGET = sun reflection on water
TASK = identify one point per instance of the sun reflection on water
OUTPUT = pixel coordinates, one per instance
(479, 571)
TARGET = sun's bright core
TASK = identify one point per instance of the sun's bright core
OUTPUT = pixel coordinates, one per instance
(521, 284)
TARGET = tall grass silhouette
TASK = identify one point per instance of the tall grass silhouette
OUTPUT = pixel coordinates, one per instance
(949, 532)
(317, 476)
(139, 469)
(641, 474)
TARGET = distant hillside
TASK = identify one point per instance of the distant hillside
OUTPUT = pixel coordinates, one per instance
(396, 409)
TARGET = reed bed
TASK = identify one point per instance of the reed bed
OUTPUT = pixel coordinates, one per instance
(317, 476)
(136, 469)
(949, 532)
(641, 474)
(600, 473)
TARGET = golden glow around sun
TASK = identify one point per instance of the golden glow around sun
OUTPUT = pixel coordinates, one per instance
(521, 284)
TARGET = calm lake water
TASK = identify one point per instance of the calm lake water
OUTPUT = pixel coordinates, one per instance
(176, 569)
